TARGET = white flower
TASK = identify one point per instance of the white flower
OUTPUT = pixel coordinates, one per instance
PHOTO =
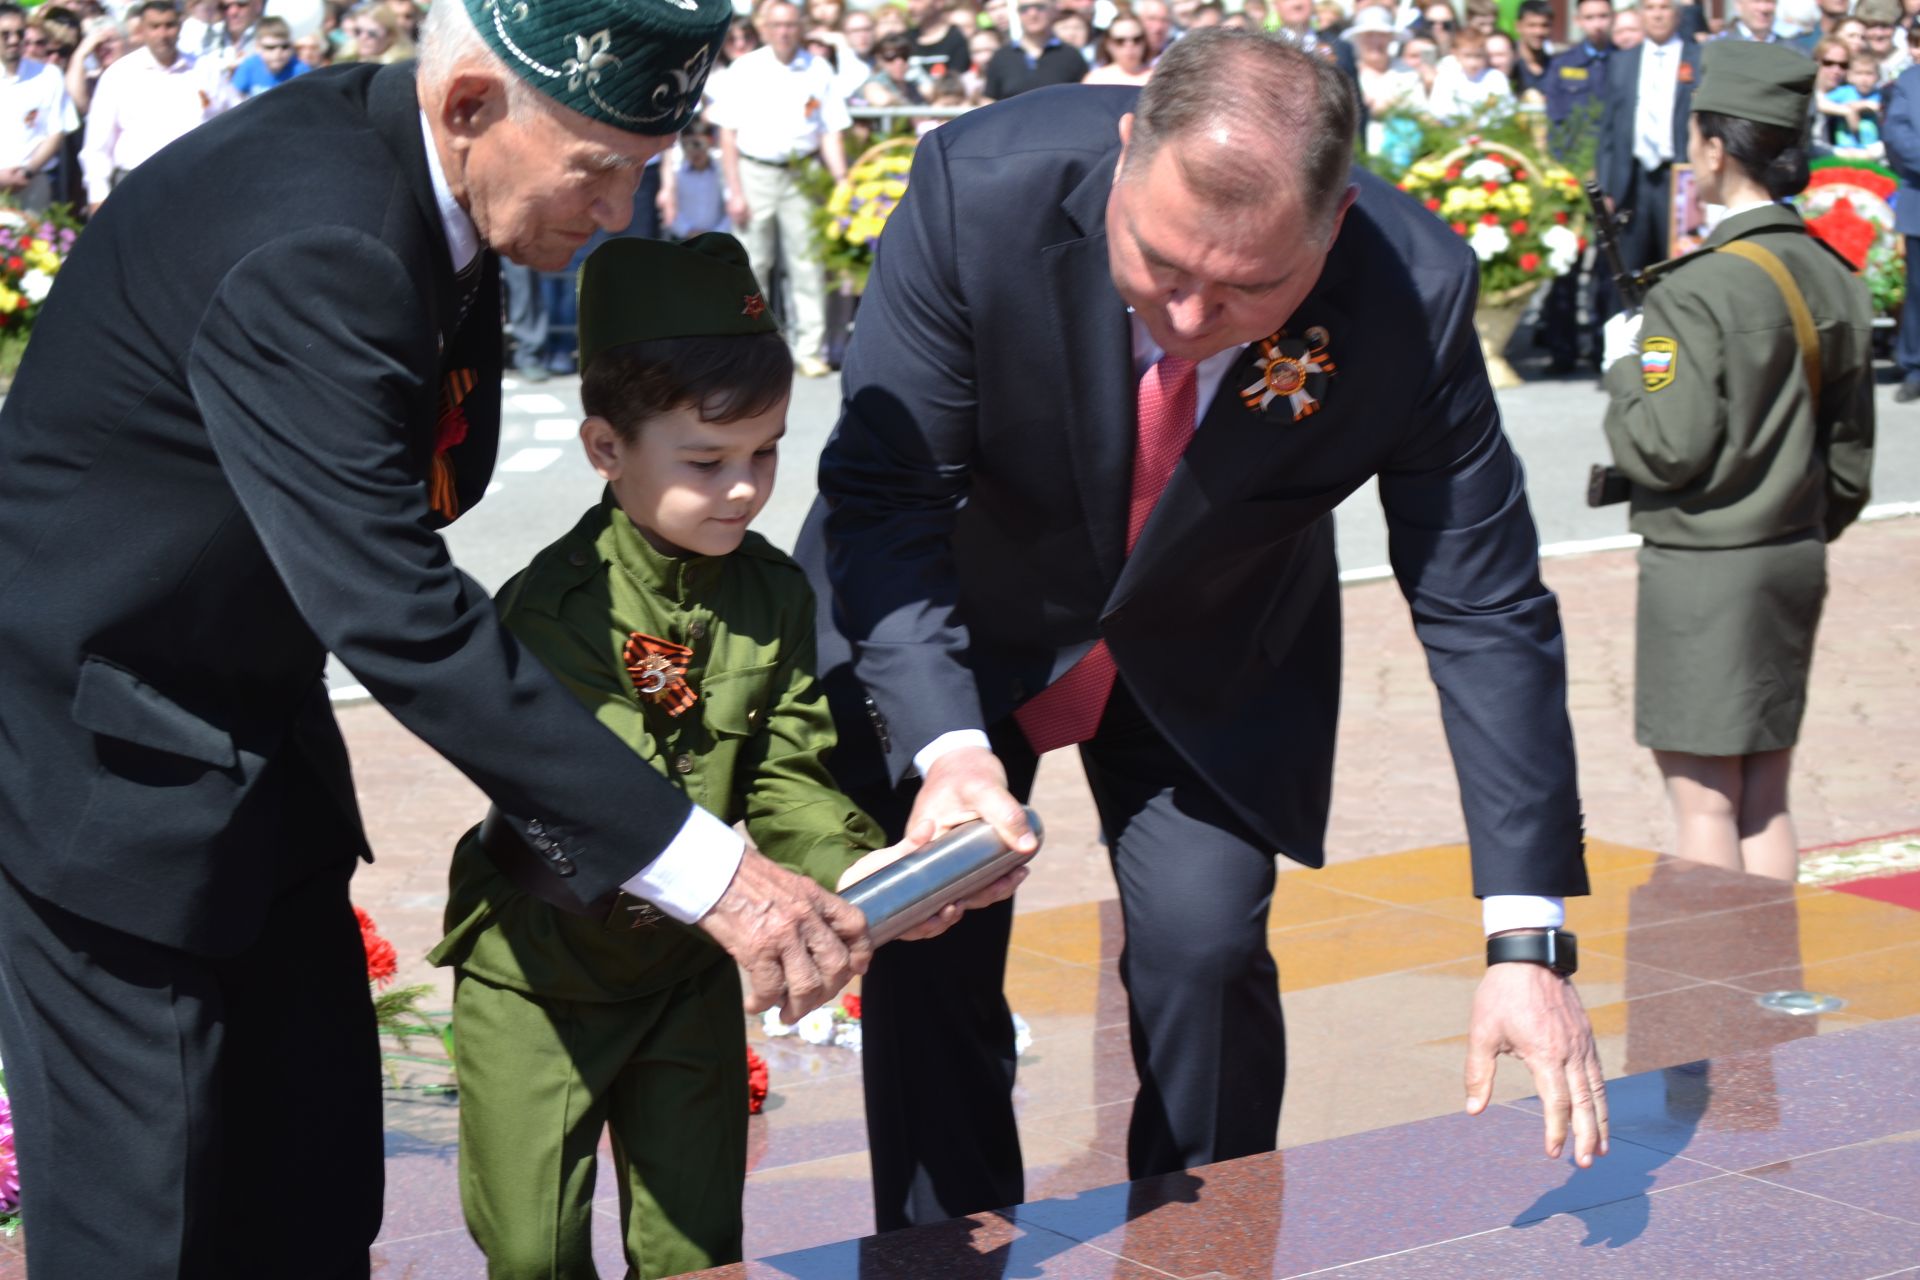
(12, 218)
(771, 1024)
(1022, 1035)
(36, 284)
(1563, 248)
(847, 1036)
(1487, 170)
(816, 1027)
(1488, 241)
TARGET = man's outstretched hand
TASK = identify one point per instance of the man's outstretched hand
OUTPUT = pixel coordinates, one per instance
(1534, 1014)
(796, 943)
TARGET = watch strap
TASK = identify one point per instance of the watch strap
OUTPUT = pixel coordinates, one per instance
(1557, 949)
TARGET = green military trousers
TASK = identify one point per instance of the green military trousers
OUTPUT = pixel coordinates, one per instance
(540, 1079)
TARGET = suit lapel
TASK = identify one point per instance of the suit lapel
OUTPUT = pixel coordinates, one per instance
(393, 106)
(1096, 354)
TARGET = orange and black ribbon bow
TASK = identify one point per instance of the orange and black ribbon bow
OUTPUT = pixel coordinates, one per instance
(659, 671)
(449, 431)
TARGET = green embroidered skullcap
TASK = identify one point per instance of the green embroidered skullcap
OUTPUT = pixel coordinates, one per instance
(1764, 83)
(638, 65)
(634, 290)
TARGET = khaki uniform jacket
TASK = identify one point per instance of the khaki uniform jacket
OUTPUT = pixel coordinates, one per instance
(1715, 423)
(752, 748)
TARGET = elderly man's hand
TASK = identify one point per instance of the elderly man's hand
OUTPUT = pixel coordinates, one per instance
(1534, 1014)
(796, 943)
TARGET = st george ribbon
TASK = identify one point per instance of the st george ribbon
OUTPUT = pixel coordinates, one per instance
(965, 860)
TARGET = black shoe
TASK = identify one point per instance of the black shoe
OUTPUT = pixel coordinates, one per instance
(1909, 390)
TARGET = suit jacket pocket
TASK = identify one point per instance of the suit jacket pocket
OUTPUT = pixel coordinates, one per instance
(114, 702)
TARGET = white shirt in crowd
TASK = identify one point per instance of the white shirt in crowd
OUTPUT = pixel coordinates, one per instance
(138, 108)
(1456, 95)
(699, 201)
(1653, 119)
(779, 110)
(33, 105)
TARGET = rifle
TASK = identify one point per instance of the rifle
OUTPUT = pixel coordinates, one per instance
(1607, 485)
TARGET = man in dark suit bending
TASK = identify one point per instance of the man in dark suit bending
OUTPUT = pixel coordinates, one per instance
(1115, 367)
(218, 463)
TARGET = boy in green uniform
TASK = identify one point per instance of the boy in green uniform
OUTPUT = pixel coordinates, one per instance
(693, 640)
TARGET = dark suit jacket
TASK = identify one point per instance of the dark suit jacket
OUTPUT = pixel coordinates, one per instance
(1900, 129)
(213, 470)
(978, 484)
(1613, 161)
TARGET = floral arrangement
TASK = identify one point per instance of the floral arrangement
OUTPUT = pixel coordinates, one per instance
(857, 209)
(1848, 204)
(756, 1082)
(31, 253)
(397, 1013)
(1521, 217)
(9, 1166)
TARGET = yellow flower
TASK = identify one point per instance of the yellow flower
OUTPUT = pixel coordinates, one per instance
(8, 300)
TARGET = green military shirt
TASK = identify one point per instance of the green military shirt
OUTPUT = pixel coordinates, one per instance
(1715, 423)
(751, 748)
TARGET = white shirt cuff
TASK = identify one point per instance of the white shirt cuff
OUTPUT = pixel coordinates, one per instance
(693, 870)
(923, 758)
(1503, 911)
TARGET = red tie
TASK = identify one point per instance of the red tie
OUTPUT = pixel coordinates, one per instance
(1069, 710)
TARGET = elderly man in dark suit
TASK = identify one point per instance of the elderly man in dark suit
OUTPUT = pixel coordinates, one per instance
(1900, 128)
(1115, 367)
(1643, 130)
(225, 455)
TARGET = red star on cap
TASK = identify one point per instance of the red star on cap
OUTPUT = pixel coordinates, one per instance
(755, 307)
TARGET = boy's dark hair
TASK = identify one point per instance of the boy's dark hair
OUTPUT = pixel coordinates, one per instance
(725, 379)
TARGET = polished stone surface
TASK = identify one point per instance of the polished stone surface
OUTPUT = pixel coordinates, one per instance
(1796, 1160)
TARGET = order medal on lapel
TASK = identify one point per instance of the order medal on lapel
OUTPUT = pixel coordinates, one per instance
(658, 669)
(1291, 369)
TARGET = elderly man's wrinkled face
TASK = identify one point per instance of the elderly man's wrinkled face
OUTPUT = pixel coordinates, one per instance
(537, 188)
(1758, 15)
(1200, 281)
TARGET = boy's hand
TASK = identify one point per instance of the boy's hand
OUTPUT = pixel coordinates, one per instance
(796, 943)
(945, 918)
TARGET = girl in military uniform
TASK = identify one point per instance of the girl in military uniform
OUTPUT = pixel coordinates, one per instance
(693, 640)
(1742, 412)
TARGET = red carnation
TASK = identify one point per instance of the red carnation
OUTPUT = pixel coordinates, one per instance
(851, 1003)
(1518, 227)
(1529, 262)
(1453, 174)
(1561, 217)
(1459, 228)
(1581, 243)
(1490, 219)
(382, 962)
(1489, 187)
(16, 264)
(756, 1082)
(1519, 175)
(1433, 204)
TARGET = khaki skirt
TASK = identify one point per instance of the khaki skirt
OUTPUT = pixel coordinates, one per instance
(1723, 645)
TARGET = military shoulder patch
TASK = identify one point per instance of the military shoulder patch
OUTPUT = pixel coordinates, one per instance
(1658, 356)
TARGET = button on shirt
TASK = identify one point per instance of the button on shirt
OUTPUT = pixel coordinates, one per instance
(33, 106)
(1653, 120)
(138, 108)
(779, 110)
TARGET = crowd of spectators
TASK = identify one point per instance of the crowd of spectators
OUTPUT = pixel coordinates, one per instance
(97, 90)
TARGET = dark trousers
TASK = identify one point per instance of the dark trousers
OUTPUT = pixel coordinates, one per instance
(1906, 348)
(180, 1116)
(1203, 993)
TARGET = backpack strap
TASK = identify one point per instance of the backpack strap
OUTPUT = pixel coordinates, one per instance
(1803, 329)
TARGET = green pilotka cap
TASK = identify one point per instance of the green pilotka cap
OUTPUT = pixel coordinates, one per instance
(634, 290)
(638, 65)
(1764, 83)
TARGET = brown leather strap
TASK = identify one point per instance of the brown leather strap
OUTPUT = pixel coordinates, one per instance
(1803, 329)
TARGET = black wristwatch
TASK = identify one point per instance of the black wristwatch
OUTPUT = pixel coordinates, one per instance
(1555, 948)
